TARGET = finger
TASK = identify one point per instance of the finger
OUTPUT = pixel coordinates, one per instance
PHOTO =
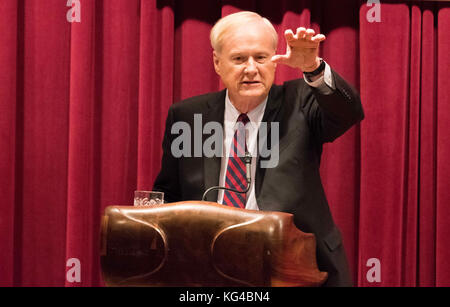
(289, 35)
(309, 34)
(300, 32)
(279, 58)
(318, 38)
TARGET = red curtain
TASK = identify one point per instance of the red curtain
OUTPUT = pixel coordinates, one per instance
(83, 106)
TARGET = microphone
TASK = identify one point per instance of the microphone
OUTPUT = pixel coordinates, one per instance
(248, 162)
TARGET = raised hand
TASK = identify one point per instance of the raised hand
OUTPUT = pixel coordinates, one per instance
(302, 49)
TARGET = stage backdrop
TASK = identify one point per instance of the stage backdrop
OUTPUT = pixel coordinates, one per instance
(83, 106)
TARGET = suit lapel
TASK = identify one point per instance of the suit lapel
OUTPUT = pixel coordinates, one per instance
(215, 112)
(270, 113)
(211, 166)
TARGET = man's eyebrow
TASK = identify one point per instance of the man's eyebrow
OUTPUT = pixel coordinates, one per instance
(233, 53)
(237, 53)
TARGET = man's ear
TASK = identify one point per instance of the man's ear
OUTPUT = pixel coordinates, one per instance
(216, 62)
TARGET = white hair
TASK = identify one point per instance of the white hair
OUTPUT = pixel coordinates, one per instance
(235, 21)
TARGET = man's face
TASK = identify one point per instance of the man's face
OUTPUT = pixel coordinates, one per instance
(245, 65)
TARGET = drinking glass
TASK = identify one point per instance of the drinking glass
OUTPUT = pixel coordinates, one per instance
(148, 198)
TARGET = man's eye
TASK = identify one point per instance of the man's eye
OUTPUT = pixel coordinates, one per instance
(261, 58)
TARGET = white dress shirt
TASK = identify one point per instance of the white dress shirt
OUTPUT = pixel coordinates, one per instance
(324, 84)
(231, 116)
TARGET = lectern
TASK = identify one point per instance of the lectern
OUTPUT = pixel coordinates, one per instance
(197, 243)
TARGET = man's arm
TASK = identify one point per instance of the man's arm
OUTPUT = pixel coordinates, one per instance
(331, 114)
(324, 82)
(330, 104)
(167, 179)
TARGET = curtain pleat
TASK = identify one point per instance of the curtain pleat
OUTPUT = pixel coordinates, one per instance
(384, 88)
(42, 113)
(427, 161)
(84, 127)
(8, 97)
(443, 147)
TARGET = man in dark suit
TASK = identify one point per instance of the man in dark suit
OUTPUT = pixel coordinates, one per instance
(308, 112)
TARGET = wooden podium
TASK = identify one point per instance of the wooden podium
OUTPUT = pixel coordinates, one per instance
(197, 243)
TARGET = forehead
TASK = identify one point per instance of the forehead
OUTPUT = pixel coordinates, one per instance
(254, 37)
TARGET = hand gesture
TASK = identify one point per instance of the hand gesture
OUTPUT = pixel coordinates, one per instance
(302, 49)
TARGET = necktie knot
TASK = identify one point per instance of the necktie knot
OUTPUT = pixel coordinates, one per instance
(243, 118)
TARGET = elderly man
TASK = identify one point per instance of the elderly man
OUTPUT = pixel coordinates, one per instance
(308, 112)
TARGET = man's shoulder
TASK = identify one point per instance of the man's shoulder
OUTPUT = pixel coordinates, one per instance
(199, 102)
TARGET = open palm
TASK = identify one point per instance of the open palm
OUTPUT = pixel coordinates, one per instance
(302, 49)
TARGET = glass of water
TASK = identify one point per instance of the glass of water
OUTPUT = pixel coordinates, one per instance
(148, 198)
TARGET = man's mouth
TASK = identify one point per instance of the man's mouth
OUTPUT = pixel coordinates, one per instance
(250, 82)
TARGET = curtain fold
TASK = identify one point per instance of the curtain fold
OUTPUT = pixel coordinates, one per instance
(428, 145)
(384, 84)
(443, 147)
(83, 149)
(8, 97)
(83, 108)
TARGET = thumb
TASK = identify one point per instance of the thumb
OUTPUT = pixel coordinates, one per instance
(279, 58)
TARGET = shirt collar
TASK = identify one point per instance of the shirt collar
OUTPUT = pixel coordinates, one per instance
(255, 115)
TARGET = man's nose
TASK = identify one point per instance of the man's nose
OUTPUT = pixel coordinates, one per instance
(251, 67)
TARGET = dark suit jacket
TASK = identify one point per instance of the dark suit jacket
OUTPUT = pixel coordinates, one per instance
(307, 119)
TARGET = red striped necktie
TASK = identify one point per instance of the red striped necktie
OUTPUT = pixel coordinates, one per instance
(236, 177)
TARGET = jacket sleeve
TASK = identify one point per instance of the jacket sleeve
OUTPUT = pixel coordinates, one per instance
(329, 116)
(167, 180)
